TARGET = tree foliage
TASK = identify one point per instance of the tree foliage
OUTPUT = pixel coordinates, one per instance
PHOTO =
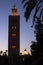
(29, 5)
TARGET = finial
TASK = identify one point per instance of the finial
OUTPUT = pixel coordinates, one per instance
(14, 7)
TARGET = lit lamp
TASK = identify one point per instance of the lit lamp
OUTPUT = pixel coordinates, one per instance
(25, 52)
(14, 11)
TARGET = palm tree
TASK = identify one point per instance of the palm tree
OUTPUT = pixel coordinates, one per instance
(30, 5)
(36, 5)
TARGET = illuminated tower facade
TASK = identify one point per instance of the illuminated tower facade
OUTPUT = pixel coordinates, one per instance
(14, 35)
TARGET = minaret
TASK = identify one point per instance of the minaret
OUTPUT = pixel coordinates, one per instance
(14, 36)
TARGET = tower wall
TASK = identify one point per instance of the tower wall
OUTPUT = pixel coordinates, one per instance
(13, 38)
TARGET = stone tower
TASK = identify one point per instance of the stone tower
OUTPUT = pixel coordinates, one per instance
(13, 36)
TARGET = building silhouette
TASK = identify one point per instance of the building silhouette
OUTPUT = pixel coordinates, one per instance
(14, 36)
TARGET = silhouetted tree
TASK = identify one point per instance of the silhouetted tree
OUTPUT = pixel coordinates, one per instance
(36, 5)
(1, 53)
(3, 58)
(30, 5)
(37, 47)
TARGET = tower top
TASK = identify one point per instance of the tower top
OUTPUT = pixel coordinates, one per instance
(14, 11)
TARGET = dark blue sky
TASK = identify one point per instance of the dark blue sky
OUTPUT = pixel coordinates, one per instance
(26, 32)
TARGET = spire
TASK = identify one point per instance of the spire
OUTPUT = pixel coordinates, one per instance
(14, 11)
